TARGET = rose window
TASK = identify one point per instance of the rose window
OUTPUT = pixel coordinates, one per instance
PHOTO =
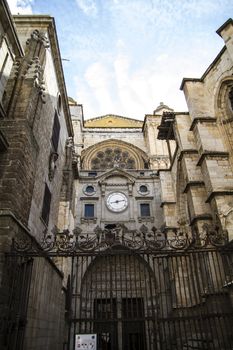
(113, 157)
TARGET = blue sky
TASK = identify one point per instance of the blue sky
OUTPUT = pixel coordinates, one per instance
(126, 56)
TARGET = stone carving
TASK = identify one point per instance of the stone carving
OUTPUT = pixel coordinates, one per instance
(52, 164)
(160, 162)
(69, 150)
(39, 37)
(34, 71)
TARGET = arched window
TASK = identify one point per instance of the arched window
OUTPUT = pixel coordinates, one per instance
(111, 153)
(230, 96)
(225, 112)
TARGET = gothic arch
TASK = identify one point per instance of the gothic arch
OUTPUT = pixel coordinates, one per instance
(107, 154)
(224, 110)
(224, 101)
(112, 293)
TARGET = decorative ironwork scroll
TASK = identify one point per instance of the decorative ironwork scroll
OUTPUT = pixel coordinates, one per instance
(68, 243)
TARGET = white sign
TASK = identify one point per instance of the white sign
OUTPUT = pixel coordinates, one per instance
(85, 341)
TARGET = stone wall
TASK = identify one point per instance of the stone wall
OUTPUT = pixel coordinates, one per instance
(34, 94)
(210, 126)
(46, 310)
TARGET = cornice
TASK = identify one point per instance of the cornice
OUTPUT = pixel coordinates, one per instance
(205, 216)
(186, 152)
(200, 80)
(89, 198)
(193, 184)
(202, 120)
(224, 25)
(214, 194)
(211, 154)
(144, 198)
(167, 203)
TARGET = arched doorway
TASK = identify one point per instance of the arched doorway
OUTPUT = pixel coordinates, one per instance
(115, 297)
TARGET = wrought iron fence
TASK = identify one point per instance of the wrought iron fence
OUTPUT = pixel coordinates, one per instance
(144, 289)
(145, 301)
(68, 243)
(14, 301)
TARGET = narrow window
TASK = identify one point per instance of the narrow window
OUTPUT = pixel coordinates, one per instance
(46, 205)
(145, 209)
(89, 211)
(56, 132)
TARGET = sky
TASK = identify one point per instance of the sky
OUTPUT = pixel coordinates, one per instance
(124, 57)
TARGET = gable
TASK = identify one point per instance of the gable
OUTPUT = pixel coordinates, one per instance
(116, 173)
(113, 121)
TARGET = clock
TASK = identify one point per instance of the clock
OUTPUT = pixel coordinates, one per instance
(117, 202)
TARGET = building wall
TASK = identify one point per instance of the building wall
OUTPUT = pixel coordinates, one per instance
(185, 178)
(33, 93)
(210, 125)
(110, 180)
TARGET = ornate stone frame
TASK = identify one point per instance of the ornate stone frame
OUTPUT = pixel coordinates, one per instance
(139, 155)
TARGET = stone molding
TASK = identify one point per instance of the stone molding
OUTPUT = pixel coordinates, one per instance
(214, 194)
(138, 154)
(163, 203)
(184, 152)
(205, 216)
(198, 120)
(89, 198)
(192, 183)
(212, 154)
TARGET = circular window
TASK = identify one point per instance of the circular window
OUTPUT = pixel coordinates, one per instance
(89, 190)
(143, 189)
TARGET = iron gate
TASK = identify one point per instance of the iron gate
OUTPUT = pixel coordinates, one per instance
(14, 301)
(145, 301)
(140, 290)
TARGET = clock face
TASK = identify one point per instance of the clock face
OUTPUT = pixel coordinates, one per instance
(117, 202)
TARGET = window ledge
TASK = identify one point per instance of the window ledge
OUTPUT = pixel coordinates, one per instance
(88, 220)
(146, 218)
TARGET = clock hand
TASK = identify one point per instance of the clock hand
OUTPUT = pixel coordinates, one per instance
(117, 201)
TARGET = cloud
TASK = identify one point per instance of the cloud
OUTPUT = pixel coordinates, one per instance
(138, 51)
(98, 82)
(88, 7)
(114, 87)
(21, 6)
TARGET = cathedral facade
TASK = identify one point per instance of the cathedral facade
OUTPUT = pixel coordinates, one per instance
(112, 227)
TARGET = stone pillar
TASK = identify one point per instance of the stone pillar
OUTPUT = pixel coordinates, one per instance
(168, 202)
(158, 150)
(190, 182)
